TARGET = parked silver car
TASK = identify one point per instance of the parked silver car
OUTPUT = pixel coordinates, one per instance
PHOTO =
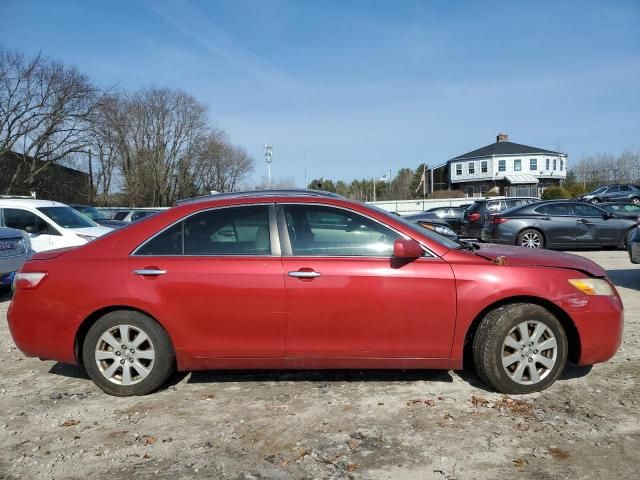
(15, 249)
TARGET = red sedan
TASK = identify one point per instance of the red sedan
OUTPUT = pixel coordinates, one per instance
(303, 279)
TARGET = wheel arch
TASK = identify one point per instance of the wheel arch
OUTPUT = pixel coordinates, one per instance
(91, 319)
(573, 337)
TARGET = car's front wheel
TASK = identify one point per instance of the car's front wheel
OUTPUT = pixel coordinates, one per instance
(635, 200)
(530, 238)
(520, 348)
(127, 353)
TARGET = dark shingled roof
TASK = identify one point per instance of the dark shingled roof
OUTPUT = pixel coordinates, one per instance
(503, 148)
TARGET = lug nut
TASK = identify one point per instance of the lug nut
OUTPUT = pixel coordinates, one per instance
(117, 354)
(535, 351)
(124, 347)
(530, 359)
(131, 360)
(122, 362)
(132, 350)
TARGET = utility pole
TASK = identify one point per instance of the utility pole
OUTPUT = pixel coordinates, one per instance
(90, 178)
(374, 184)
(268, 153)
(306, 166)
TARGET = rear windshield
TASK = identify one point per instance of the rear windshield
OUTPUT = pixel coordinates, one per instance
(67, 217)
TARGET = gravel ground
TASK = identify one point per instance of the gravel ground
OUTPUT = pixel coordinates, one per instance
(356, 424)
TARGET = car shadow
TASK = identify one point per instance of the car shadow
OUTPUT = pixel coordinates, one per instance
(571, 371)
(5, 294)
(625, 278)
(68, 370)
(221, 376)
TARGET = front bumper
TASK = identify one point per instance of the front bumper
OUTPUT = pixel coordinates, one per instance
(599, 322)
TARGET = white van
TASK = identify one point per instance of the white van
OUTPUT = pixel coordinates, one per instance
(49, 224)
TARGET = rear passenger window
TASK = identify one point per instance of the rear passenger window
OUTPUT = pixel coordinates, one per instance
(558, 209)
(225, 231)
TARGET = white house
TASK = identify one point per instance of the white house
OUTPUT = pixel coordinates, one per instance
(507, 168)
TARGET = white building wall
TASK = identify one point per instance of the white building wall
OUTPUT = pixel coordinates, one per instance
(493, 163)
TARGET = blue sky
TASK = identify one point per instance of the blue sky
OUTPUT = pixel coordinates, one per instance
(364, 85)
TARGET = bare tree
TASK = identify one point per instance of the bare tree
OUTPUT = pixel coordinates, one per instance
(157, 135)
(45, 110)
(221, 166)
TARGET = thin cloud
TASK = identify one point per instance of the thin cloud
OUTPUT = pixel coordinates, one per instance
(193, 23)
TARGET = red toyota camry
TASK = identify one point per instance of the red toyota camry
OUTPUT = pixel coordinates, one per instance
(304, 279)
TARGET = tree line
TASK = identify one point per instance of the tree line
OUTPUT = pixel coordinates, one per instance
(151, 146)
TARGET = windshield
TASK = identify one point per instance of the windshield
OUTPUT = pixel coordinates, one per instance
(93, 213)
(441, 239)
(600, 189)
(67, 217)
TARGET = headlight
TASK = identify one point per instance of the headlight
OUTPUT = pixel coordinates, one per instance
(592, 286)
(88, 238)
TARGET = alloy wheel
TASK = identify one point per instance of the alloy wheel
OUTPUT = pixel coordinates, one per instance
(529, 352)
(531, 240)
(125, 355)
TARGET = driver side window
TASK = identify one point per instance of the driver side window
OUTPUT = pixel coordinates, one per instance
(26, 221)
(327, 231)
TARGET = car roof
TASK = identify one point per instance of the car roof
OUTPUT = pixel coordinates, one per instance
(29, 202)
(261, 193)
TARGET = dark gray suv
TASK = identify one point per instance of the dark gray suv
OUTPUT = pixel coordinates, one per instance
(610, 193)
(477, 214)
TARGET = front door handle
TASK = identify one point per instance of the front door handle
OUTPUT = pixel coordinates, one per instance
(305, 274)
(149, 272)
(583, 220)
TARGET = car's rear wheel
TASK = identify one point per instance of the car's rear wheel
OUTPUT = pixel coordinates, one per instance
(531, 238)
(594, 201)
(520, 348)
(635, 200)
(127, 353)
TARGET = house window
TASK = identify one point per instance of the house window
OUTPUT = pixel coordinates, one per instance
(548, 163)
(533, 164)
(502, 165)
(471, 168)
(517, 165)
(561, 164)
(555, 164)
(483, 166)
(458, 169)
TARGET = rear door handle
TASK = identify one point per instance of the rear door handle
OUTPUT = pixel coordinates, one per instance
(149, 272)
(303, 274)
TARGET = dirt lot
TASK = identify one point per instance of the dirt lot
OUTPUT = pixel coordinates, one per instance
(400, 425)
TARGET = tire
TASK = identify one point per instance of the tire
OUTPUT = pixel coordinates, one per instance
(627, 238)
(530, 238)
(635, 200)
(502, 362)
(141, 368)
(595, 201)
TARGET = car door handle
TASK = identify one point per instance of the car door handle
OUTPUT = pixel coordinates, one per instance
(149, 272)
(305, 274)
(583, 220)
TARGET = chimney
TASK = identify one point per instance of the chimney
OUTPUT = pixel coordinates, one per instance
(502, 137)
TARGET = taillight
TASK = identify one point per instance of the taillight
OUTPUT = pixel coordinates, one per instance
(474, 217)
(27, 280)
(497, 220)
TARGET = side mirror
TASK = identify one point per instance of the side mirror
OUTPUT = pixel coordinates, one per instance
(31, 229)
(608, 215)
(406, 248)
